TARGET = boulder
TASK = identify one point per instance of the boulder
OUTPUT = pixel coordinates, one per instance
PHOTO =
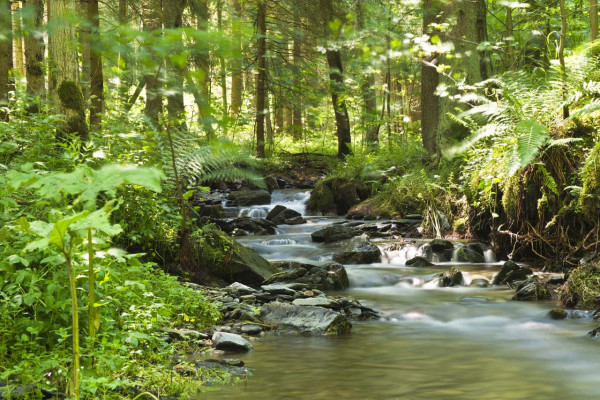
(359, 251)
(418, 262)
(335, 196)
(511, 272)
(239, 289)
(248, 198)
(230, 342)
(450, 278)
(257, 226)
(327, 276)
(279, 288)
(280, 213)
(531, 290)
(557, 313)
(271, 183)
(440, 245)
(471, 253)
(309, 320)
(228, 260)
(320, 301)
(295, 221)
(334, 233)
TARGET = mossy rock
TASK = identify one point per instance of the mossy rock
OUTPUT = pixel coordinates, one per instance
(335, 196)
(228, 260)
(582, 289)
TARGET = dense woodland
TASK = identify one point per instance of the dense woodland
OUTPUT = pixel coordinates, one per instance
(121, 118)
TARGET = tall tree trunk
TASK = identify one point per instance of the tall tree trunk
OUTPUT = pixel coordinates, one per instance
(223, 72)
(369, 96)
(203, 67)
(510, 49)
(342, 121)
(236, 73)
(153, 74)
(34, 53)
(297, 126)
(561, 53)
(19, 55)
(96, 75)
(6, 62)
(83, 34)
(261, 51)
(430, 106)
(67, 97)
(173, 19)
(594, 20)
(126, 77)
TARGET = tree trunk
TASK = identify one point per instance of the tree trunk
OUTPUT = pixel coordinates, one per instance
(297, 127)
(510, 49)
(369, 117)
(173, 19)
(83, 34)
(19, 64)
(236, 73)
(430, 106)
(342, 121)
(34, 53)
(261, 51)
(223, 72)
(67, 97)
(125, 77)
(6, 62)
(594, 20)
(152, 75)
(561, 53)
(96, 75)
(203, 67)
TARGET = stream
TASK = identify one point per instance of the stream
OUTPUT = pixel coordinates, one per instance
(431, 343)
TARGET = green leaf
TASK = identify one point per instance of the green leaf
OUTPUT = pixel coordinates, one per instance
(533, 137)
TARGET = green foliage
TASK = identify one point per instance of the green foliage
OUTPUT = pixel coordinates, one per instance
(582, 287)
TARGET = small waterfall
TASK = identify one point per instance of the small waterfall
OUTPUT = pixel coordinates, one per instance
(489, 255)
(254, 212)
(400, 255)
(279, 242)
(290, 198)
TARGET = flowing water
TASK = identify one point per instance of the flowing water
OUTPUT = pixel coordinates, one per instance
(431, 343)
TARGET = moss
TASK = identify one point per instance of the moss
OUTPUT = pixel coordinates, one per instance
(461, 225)
(582, 287)
(510, 197)
(588, 200)
(70, 96)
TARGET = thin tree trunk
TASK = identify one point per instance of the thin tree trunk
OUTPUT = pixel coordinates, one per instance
(509, 34)
(173, 19)
(126, 80)
(342, 121)
(34, 53)
(593, 23)
(152, 76)
(6, 62)
(67, 97)
(430, 105)
(83, 34)
(297, 127)
(369, 117)
(96, 75)
(19, 53)
(261, 50)
(561, 52)
(223, 72)
(236, 73)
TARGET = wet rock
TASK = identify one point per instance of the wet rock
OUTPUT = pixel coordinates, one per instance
(326, 276)
(250, 329)
(326, 302)
(239, 289)
(185, 334)
(257, 226)
(335, 196)
(471, 253)
(594, 333)
(531, 290)
(475, 299)
(248, 198)
(279, 288)
(359, 251)
(479, 282)
(230, 342)
(334, 233)
(280, 213)
(271, 183)
(440, 245)
(295, 221)
(418, 262)
(229, 362)
(450, 278)
(511, 272)
(211, 211)
(305, 319)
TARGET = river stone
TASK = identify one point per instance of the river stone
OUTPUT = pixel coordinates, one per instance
(333, 233)
(295, 221)
(239, 289)
(280, 213)
(305, 319)
(279, 288)
(471, 253)
(248, 198)
(453, 277)
(531, 290)
(230, 342)
(440, 245)
(359, 251)
(250, 329)
(326, 276)
(418, 262)
(185, 334)
(318, 302)
(511, 272)
(557, 313)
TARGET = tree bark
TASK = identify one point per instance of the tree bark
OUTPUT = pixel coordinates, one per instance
(34, 53)
(236, 73)
(430, 105)
(369, 97)
(67, 97)
(173, 19)
(561, 53)
(297, 126)
(594, 21)
(19, 64)
(342, 121)
(152, 74)
(510, 49)
(6, 62)
(223, 72)
(261, 51)
(96, 74)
